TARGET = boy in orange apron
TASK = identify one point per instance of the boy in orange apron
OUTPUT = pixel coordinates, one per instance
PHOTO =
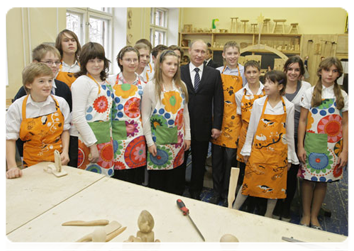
(244, 100)
(39, 119)
(224, 147)
(269, 148)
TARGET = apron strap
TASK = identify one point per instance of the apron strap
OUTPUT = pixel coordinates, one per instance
(98, 85)
(24, 104)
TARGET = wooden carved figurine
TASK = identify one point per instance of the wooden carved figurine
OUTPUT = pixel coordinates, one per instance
(229, 242)
(146, 224)
(133, 244)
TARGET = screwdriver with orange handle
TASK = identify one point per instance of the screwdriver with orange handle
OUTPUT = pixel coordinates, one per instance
(185, 211)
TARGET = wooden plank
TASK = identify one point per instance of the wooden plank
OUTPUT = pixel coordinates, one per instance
(38, 191)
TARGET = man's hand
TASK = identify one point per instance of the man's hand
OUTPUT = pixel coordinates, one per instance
(215, 133)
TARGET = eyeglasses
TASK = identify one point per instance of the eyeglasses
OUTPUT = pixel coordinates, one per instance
(129, 60)
(50, 63)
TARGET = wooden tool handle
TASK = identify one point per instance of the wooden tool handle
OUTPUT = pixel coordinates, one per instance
(232, 186)
(77, 243)
(86, 223)
(115, 233)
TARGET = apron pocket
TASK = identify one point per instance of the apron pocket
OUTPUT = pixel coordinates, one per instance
(315, 142)
(119, 130)
(166, 136)
(101, 129)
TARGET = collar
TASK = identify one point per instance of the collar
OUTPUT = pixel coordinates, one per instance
(327, 88)
(261, 86)
(192, 67)
(30, 101)
(228, 68)
(65, 64)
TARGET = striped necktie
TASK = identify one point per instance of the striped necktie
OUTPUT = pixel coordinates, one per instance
(196, 79)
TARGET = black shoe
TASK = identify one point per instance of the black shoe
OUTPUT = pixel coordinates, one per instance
(225, 203)
(285, 216)
(215, 199)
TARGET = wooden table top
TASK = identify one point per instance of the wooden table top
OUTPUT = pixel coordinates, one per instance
(120, 201)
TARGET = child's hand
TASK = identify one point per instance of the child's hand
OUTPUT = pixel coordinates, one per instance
(64, 157)
(94, 155)
(152, 150)
(187, 145)
(13, 173)
(301, 153)
(245, 159)
(215, 133)
(343, 159)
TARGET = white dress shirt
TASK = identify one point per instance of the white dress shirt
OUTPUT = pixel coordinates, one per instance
(276, 110)
(234, 72)
(33, 109)
(327, 92)
(241, 92)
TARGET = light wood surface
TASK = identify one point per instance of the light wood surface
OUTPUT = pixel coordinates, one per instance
(38, 191)
(123, 202)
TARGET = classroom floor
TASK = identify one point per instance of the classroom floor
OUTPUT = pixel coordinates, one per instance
(333, 216)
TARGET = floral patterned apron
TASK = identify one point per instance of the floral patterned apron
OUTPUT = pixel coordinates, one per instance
(98, 116)
(167, 129)
(128, 136)
(323, 143)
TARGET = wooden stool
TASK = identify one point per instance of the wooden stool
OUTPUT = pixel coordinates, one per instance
(293, 27)
(253, 27)
(244, 25)
(276, 24)
(266, 24)
(233, 27)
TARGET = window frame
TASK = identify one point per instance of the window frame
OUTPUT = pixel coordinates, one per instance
(88, 13)
(154, 27)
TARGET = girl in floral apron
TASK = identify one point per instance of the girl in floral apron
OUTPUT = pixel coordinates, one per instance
(92, 105)
(128, 138)
(322, 138)
(269, 147)
(166, 124)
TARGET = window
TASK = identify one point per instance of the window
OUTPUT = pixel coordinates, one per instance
(158, 26)
(92, 25)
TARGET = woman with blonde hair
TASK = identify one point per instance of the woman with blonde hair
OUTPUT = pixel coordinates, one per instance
(166, 124)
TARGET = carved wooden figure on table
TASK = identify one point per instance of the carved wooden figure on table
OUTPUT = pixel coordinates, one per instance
(146, 224)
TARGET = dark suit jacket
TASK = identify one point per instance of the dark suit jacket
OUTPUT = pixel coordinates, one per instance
(205, 106)
(211, 63)
(62, 90)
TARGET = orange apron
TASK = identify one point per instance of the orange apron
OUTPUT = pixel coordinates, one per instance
(231, 123)
(66, 77)
(42, 135)
(246, 108)
(266, 170)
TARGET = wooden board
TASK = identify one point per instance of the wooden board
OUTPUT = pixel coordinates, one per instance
(38, 191)
(121, 201)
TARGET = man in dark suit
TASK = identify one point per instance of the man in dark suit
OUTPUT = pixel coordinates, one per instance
(208, 59)
(205, 110)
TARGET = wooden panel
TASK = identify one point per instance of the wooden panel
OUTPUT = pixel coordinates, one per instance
(317, 47)
(38, 191)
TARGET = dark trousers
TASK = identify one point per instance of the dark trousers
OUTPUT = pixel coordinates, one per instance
(73, 151)
(199, 151)
(167, 180)
(223, 159)
(135, 175)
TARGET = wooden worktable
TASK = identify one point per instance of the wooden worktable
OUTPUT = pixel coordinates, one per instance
(107, 198)
(38, 191)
